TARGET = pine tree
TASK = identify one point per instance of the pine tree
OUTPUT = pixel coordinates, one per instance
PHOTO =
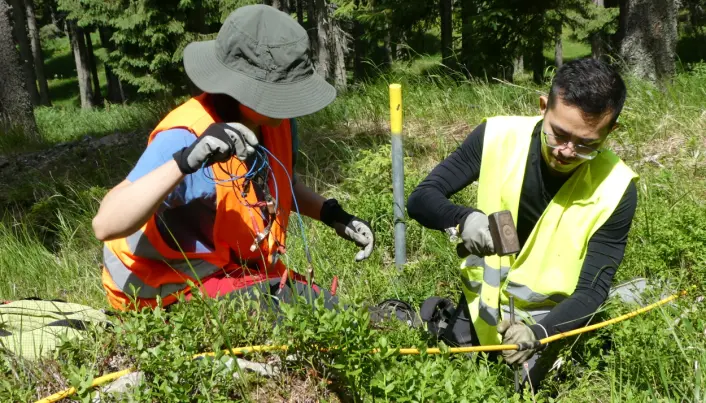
(15, 102)
(445, 13)
(20, 31)
(83, 70)
(648, 45)
(97, 96)
(37, 53)
(594, 25)
(115, 87)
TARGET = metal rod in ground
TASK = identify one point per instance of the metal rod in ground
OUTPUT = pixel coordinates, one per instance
(512, 321)
(398, 174)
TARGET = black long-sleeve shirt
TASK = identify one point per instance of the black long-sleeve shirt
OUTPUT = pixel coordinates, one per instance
(429, 204)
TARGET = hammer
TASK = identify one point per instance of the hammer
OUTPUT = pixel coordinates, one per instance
(502, 231)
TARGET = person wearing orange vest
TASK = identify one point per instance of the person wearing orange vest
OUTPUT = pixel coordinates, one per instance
(209, 200)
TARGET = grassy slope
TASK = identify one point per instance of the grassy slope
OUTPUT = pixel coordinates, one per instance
(48, 250)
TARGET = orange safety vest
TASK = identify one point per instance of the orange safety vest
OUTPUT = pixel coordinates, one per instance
(142, 267)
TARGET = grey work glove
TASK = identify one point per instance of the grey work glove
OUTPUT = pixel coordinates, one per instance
(349, 227)
(218, 143)
(475, 235)
(516, 333)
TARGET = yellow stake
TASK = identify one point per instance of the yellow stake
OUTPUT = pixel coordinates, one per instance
(396, 108)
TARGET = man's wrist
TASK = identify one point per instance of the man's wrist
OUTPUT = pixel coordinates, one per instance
(332, 213)
(462, 217)
(540, 332)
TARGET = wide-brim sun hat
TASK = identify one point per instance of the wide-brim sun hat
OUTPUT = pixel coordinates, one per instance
(260, 58)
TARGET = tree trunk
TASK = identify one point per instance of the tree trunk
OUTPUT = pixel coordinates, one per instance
(340, 50)
(312, 28)
(97, 96)
(115, 87)
(51, 7)
(558, 49)
(83, 70)
(359, 47)
(538, 60)
(37, 53)
(598, 46)
(466, 46)
(300, 12)
(20, 30)
(389, 52)
(446, 31)
(536, 49)
(393, 43)
(330, 44)
(518, 65)
(15, 102)
(598, 39)
(323, 29)
(622, 23)
(648, 46)
(199, 17)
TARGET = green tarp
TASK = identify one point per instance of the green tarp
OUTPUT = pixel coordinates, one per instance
(33, 329)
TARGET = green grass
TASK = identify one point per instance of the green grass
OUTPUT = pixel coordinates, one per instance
(47, 250)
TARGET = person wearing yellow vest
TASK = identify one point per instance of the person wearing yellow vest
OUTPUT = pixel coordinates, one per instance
(571, 198)
(209, 200)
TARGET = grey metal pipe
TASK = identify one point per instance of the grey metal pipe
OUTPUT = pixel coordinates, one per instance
(398, 174)
(398, 195)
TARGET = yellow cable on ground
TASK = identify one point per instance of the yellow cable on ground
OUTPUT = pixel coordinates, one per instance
(96, 382)
(403, 351)
(612, 321)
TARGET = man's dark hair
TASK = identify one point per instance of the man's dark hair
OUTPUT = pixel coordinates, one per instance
(593, 86)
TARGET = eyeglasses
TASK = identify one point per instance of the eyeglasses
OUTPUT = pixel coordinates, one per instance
(581, 151)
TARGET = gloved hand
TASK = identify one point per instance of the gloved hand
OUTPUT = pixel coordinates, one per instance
(218, 143)
(475, 235)
(516, 333)
(349, 227)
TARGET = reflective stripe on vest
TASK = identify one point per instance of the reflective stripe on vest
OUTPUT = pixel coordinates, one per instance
(128, 281)
(523, 292)
(546, 270)
(140, 246)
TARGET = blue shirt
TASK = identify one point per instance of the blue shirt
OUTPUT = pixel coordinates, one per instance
(188, 213)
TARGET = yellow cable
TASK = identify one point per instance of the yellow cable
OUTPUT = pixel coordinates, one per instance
(96, 382)
(245, 350)
(612, 321)
(403, 351)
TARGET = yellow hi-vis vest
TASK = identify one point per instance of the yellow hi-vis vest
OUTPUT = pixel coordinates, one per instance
(546, 270)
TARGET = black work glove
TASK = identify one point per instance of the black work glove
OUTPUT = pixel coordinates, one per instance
(349, 227)
(218, 143)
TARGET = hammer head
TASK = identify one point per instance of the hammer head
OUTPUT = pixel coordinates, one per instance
(504, 234)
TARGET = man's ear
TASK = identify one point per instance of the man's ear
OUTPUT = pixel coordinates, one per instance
(543, 104)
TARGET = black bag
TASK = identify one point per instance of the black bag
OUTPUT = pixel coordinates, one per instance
(447, 323)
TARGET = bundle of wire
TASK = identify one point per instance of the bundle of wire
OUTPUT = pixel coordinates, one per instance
(260, 162)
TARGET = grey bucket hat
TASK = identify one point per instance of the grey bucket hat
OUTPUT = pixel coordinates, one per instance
(261, 58)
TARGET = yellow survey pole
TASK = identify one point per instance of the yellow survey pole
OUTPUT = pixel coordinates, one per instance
(397, 173)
